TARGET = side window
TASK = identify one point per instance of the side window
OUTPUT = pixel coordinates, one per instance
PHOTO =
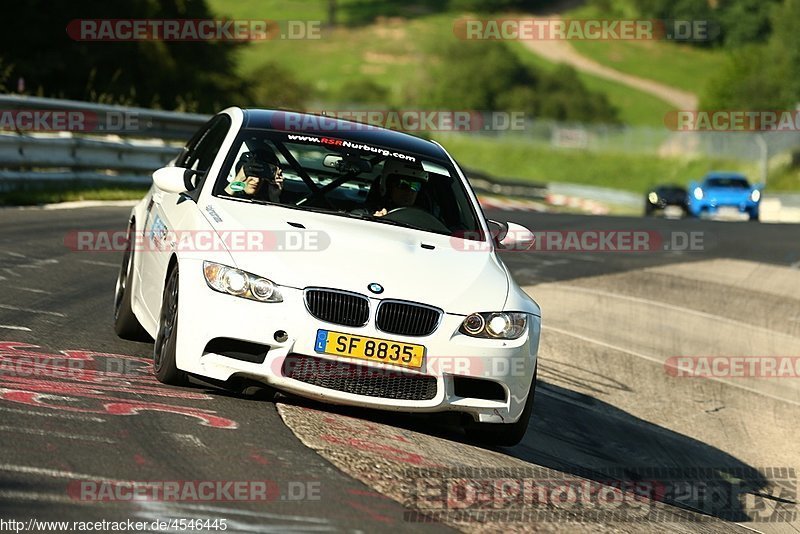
(188, 150)
(201, 156)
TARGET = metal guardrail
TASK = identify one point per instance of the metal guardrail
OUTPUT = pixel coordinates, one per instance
(105, 143)
(146, 140)
(120, 120)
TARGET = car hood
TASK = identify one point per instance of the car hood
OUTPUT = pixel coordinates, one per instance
(304, 249)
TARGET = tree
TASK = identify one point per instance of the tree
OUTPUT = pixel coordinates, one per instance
(197, 76)
(765, 76)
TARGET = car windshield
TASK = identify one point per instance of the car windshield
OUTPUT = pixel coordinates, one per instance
(734, 183)
(347, 178)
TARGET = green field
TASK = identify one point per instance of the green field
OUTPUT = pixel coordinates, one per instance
(70, 193)
(631, 172)
(388, 53)
(635, 107)
(678, 65)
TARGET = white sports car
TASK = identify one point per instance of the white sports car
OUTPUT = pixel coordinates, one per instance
(335, 261)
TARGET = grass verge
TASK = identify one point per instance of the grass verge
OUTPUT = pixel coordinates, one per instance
(52, 194)
(630, 172)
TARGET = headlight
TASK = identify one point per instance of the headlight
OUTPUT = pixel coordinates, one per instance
(755, 195)
(495, 325)
(653, 198)
(240, 283)
(698, 193)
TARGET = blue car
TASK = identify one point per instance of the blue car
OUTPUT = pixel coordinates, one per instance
(724, 192)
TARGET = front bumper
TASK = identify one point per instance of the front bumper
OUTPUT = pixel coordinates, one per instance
(713, 206)
(205, 315)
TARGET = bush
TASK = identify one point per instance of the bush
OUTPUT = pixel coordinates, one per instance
(274, 86)
(765, 76)
(488, 76)
(363, 91)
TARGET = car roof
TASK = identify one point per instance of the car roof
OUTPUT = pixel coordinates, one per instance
(670, 186)
(725, 174)
(300, 123)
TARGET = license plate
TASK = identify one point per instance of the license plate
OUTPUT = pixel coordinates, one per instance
(369, 348)
(673, 211)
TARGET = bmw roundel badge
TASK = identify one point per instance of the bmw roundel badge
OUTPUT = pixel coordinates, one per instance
(375, 288)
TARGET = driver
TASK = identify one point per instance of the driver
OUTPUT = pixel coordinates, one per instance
(254, 170)
(401, 183)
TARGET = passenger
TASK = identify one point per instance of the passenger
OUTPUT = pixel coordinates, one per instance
(253, 171)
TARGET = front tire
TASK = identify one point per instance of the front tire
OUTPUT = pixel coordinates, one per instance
(165, 348)
(504, 435)
(126, 325)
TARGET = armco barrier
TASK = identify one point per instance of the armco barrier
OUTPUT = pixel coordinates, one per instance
(130, 155)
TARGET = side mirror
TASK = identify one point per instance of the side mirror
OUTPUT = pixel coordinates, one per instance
(516, 237)
(498, 229)
(174, 179)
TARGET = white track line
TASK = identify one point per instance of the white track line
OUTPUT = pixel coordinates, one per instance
(661, 362)
(101, 263)
(77, 417)
(56, 473)
(30, 310)
(12, 327)
(40, 497)
(188, 439)
(50, 433)
(32, 290)
(673, 307)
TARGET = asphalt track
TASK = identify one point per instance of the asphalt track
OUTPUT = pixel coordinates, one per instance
(607, 407)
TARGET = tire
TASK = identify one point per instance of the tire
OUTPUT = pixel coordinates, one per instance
(505, 435)
(164, 349)
(126, 325)
(754, 217)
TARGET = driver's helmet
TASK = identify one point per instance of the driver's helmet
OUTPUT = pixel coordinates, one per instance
(260, 163)
(396, 170)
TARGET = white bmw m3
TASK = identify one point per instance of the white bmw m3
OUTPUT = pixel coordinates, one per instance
(335, 261)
